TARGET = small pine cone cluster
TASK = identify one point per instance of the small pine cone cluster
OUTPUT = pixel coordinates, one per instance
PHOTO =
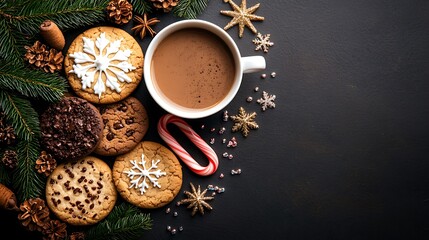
(7, 133)
(10, 159)
(164, 5)
(119, 11)
(45, 163)
(40, 56)
(34, 216)
(77, 236)
(54, 229)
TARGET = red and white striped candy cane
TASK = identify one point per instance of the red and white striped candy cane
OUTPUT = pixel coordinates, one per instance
(181, 152)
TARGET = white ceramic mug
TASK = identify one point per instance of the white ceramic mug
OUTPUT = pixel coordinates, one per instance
(242, 65)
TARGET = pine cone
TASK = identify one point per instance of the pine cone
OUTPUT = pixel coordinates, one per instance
(119, 11)
(10, 159)
(77, 236)
(7, 134)
(45, 163)
(54, 229)
(33, 214)
(165, 5)
(40, 56)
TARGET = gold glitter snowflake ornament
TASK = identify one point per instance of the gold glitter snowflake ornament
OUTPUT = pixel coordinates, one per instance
(262, 42)
(196, 200)
(244, 122)
(242, 16)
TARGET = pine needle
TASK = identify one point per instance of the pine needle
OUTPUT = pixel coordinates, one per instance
(19, 112)
(67, 14)
(125, 222)
(26, 182)
(190, 9)
(32, 83)
(140, 7)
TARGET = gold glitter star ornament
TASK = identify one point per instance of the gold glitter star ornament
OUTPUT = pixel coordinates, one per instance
(244, 122)
(242, 16)
(196, 200)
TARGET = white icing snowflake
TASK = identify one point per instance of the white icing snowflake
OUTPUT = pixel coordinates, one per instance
(143, 172)
(91, 61)
(262, 42)
(267, 101)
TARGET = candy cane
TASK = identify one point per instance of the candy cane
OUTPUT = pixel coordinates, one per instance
(195, 139)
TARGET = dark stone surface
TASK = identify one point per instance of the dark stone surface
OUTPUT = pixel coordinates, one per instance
(345, 153)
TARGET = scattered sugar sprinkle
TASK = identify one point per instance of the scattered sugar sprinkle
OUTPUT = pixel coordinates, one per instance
(273, 74)
(212, 141)
(175, 214)
(263, 75)
(225, 155)
(256, 89)
(225, 116)
(212, 129)
(230, 156)
(236, 171)
(221, 176)
(249, 99)
(224, 140)
(167, 210)
(222, 130)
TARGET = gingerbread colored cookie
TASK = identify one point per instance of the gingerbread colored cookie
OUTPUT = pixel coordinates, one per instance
(70, 128)
(125, 124)
(81, 192)
(104, 64)
(150, 176)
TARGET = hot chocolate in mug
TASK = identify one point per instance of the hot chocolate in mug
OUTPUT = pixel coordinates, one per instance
(193, 68)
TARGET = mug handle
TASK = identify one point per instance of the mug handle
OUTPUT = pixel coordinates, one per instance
(253, 64)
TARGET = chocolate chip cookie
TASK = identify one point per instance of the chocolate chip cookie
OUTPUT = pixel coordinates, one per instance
(149, 176)
(70, 128)
(81, 192)
(125, 124)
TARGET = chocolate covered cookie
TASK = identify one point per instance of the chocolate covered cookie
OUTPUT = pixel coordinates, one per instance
(104, 64)
(81, 192)
(125, 124)
(70, 128)
(150, 176)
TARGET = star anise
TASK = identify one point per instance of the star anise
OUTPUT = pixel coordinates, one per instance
(144, 25)
(196, 200)
(244, 122)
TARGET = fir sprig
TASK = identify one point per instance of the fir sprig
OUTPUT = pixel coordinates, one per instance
(20, 21)
(25, 180)
(125, 222)
(20, 113)
(67, 14)
(190, 8)
(32, 83)
(141, 7)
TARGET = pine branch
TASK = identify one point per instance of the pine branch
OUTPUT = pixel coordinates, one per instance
(67, 14)
(4, 173)
(26, 182)
(190, 8)
(11, 45)
(19, 112)
(31, 83)
(141, 6)
(125, 222)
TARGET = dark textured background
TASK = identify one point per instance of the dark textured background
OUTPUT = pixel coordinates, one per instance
(345, 153)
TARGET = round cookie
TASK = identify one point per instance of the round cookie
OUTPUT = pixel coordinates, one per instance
(107, 77)
(150, 176)
(71, 128)
(81, 192)
(125, 124)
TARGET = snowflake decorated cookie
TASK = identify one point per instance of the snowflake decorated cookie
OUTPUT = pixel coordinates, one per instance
(150, 176)
(104, 65)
